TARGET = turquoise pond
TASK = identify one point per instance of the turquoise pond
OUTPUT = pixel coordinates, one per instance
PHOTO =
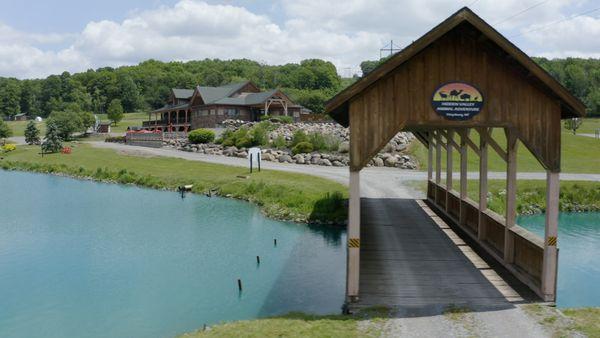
(578, 259)
(86, 259)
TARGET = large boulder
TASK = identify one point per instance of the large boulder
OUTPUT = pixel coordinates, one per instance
(325, 162)
(344, 147)
(378, 162)
(390, 161)
(284, 158)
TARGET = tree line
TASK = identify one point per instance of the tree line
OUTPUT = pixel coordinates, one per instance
(147, 85)
(580, 76)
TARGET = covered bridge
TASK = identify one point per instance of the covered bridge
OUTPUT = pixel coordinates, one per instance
(460, 78)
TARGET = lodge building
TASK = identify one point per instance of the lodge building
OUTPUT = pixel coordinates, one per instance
(206, 107)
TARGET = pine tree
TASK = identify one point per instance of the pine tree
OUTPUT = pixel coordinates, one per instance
(32, 134)
(52, 143)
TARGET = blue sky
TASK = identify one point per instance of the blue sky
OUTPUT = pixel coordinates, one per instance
(41, 37)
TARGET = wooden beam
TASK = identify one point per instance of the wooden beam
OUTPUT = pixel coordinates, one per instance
(449, 163)
(550, 264)
(438, 157)
(511, 194)
(353, 264)
(485, 133)
(464, 134)
(483, 186)
(472, 144)
(449, 138)
(430, 156)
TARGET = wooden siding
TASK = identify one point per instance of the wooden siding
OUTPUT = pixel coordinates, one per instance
(402, 98)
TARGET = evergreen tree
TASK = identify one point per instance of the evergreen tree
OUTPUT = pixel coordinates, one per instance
(52, 143)
(32, 133)
(5, 131)
(115, 111)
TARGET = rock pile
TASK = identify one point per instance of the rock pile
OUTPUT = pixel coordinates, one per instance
(393, 154)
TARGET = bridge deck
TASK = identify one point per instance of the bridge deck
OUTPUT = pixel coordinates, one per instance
(411, 258)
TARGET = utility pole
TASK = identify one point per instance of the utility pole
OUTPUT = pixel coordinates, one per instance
(391, 47)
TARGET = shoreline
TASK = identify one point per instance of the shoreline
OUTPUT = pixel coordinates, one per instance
(130, 178)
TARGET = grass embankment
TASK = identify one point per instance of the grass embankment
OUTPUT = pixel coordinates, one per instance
(579, 154)
(280, 195)
(575, 196)
(574, 322)
(368, 323)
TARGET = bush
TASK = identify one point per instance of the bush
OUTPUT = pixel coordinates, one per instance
(282, 119)
(279, 142)
(115, 139)
(302, 147)
(201, 136)
(298, 137)
(8, 147)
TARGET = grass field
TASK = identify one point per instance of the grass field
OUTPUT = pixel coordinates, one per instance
(130, 119)
(575, 196)
(579, 154)
(280, 195)
(589, 126)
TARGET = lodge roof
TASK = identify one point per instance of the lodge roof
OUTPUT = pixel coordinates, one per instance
(182, 93)
(337, 107)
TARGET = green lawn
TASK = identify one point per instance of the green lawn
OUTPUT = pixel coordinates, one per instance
(531, 195)
(585, 320)
(18, 127)
(589, 125)
(579, 155)
(129, 120)
(280, 194)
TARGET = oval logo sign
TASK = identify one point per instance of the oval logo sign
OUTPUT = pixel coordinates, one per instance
(457, 101)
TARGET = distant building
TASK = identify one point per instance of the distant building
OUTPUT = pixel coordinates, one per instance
(20, 117)
(206, 107)
(103, 128)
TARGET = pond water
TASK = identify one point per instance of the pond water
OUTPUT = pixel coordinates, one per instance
(578, 259)
(86, 259)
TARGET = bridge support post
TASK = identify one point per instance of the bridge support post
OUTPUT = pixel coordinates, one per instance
(483, 186)
(449, 166)
(511, 194)
(353, 264)
(550, 265)
(463, 175)
(430, 156)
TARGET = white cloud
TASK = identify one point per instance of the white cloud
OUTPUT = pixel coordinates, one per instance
(343, 32)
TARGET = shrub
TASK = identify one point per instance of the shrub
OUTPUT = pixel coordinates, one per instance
(115, 139)
(282, 119)
(8, 147)
(299, 136)
(302, 147)
(201, 136)
(279, 142)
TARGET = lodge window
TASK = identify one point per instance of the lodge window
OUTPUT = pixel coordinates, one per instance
(232, 112)
(204, 112)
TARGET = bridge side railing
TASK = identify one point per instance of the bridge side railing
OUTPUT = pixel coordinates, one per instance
(488, 229)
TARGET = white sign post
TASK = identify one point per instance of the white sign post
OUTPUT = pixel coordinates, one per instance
(254, 153)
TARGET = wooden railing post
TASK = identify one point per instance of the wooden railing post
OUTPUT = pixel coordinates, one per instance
(463, 175)
(430, 156)
(353, 264)
(550, 264)
(511, 194)
(483, 185)
(449, 165)
(438, 157)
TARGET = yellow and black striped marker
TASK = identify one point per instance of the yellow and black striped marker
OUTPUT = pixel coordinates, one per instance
(551, 241)
(354, 242)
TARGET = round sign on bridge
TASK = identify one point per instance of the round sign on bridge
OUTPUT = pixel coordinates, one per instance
(457, 101)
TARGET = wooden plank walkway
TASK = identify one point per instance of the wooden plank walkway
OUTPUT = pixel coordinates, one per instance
(411, 258)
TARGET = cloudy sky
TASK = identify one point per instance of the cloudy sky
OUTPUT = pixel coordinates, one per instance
(40, 37)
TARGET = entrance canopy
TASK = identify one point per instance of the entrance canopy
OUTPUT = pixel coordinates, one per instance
(517, 93)
(463, 76)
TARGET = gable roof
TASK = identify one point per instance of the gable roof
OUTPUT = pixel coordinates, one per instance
(337, 107)
(182, 93)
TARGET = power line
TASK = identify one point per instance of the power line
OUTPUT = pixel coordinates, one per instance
(556, 22)
(521, 12)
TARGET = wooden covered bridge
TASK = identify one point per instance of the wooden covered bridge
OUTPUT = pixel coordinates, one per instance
(460, 78)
